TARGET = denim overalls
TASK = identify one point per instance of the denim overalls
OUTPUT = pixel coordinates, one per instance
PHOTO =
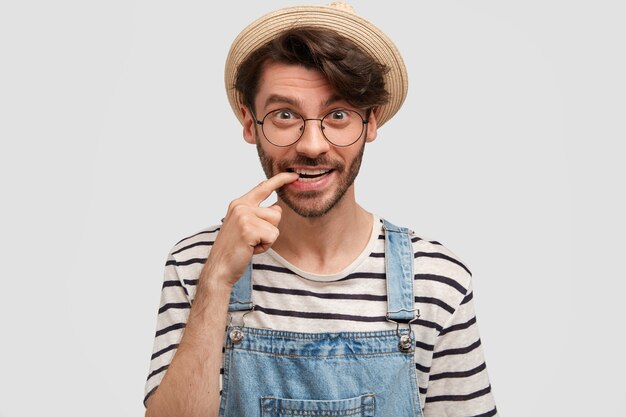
(272, 373)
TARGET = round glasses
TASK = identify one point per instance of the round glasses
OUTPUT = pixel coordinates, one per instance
(285, 127)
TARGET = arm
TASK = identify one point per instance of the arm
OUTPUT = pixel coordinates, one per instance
(190, 386)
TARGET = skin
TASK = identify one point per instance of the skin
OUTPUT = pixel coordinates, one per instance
(323, 243)
(190, 386)
(319, 244)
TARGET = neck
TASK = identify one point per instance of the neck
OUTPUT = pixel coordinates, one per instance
(326, 244)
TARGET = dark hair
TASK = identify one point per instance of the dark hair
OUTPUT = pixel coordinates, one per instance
(356, 76)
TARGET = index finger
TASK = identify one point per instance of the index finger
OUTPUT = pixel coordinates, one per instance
(259, 193)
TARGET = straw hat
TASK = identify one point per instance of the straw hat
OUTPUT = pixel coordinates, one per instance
(339, 17)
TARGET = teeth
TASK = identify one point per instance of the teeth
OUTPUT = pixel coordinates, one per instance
(311, 171)
(310, 175)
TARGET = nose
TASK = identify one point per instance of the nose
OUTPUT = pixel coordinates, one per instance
(312, 143)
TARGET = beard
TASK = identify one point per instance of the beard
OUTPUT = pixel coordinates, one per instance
(312, 203)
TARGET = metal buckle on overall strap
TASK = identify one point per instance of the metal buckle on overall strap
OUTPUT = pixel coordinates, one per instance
(236, 333)
(405, 342)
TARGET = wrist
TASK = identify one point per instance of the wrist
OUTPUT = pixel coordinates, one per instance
(215, 279)
(211, 299)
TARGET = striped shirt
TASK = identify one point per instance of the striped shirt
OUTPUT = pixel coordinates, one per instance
(449, 361)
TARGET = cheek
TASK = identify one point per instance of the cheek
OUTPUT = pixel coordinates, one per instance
(269, 160)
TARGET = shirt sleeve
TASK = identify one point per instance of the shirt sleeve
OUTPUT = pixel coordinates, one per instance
(458, 383)
(172, 316)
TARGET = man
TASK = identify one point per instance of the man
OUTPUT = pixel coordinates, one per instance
(328, 309)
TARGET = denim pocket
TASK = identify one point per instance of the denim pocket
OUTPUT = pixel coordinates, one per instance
(362, 406)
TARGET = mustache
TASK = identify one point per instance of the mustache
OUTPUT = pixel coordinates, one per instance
(306, 161)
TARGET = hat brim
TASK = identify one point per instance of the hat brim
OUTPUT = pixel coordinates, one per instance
(362, 32)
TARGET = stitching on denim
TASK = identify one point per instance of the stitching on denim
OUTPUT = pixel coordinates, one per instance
(291, 355)
(329, 413)
(338, 413)
(278, 334)
(360, 407)
(226, 364)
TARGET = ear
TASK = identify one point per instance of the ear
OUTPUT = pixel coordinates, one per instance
(372, 127)
(249, 125)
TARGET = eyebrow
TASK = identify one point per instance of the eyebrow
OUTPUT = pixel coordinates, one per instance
(332, 100)
(277, 98)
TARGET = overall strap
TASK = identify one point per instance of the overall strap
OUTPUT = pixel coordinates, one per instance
(241, 293)
(399, 271)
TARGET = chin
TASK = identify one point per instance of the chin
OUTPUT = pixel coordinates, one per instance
(310, 204)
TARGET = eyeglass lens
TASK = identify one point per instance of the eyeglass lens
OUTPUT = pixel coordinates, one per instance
(340, 127)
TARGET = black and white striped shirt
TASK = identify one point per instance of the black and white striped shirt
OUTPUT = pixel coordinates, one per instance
(449, 360)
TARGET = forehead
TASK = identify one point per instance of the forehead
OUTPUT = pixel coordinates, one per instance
(273, 72)
(301, 85)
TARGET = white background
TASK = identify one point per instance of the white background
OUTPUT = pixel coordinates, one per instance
(117, 141)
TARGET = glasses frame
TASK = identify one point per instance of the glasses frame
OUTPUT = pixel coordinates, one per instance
(304, 120)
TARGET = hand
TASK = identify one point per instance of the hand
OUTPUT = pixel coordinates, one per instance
(247, 229)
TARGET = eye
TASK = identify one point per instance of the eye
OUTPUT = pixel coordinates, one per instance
(285, 114)
(338, 115)
(284, 118)
(339, 118)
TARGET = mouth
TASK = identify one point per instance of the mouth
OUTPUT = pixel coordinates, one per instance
(310, 175)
